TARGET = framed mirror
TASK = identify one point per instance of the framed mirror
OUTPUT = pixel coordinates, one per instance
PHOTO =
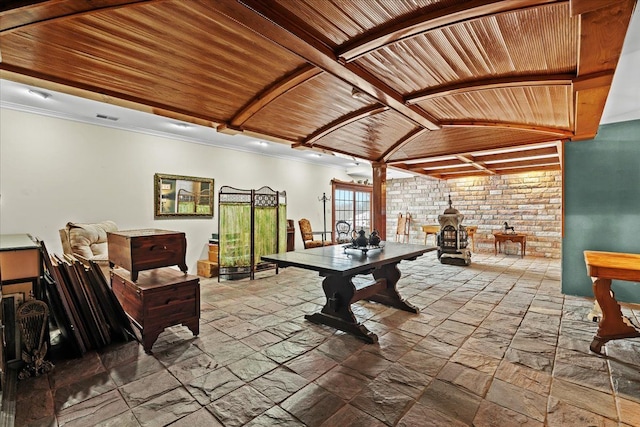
(183, 196)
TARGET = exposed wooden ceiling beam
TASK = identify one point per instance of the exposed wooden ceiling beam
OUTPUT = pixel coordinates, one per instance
(602, 34)
(553, 167)
(273, 24)
(492, 83)
(354, 116)
(593, 81)
(471, 161)
(96, 93)
(552, 131)
(524, 163)
(534, 154)
(36, 12)
(578, 7)
(453, 174)
(459, 174)
(276, 90)
(429, 164)
(517, 154)
(401, 143)
(420, 23)
(560, 148)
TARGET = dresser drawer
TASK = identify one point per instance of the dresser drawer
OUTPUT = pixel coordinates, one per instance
(172, 300)
(130, 297)
(157, 251)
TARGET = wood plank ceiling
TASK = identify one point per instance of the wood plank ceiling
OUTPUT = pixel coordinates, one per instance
(437, 87)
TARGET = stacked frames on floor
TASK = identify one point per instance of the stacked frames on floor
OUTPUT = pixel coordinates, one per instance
(83, 305)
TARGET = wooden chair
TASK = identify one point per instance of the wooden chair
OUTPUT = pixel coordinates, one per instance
(308, 235)
(402, 230)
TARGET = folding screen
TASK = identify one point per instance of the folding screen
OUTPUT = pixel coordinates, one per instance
(252, 223)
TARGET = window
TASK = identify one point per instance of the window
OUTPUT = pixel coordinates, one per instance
(352, 203)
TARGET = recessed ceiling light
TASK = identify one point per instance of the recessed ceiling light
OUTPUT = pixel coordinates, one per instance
(39, 93)
(182, 125)
(317, 155)
(263, 143)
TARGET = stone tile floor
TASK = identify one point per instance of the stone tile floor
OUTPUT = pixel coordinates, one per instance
(495, 344)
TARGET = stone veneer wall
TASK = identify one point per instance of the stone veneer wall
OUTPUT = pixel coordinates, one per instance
(531, 202)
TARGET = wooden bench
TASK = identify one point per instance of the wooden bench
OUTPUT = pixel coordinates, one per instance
(603, 267)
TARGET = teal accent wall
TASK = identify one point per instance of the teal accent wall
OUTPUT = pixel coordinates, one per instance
(601, 204)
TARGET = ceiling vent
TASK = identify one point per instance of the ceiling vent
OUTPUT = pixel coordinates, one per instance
(105, 117)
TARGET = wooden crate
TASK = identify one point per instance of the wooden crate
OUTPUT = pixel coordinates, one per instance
(213, 253)
(207, 268)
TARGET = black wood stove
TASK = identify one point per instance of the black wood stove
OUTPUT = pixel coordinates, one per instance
(453, 239)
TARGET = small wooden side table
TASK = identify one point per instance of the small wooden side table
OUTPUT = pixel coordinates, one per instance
(603, 267)
(514, 237)
(431, 229)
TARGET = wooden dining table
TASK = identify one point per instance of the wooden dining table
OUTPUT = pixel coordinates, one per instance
(339, 264)
(603, 267)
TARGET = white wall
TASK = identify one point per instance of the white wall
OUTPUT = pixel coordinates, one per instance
(53, 171)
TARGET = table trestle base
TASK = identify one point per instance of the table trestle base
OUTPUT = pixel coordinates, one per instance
(341, 293)
(354, 328)
(613, 325)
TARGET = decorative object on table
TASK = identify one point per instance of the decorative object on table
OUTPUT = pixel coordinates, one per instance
(363, 243)
(508, 228)
(179, 196)
(361, 239)
(251, 223)
(32, 318)
(453, 239)
(403, 228)
(374, 239)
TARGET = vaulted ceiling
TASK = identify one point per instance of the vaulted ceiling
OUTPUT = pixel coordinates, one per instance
(437, 87)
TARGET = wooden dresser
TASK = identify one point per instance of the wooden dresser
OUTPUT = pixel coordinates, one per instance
(160, 298)
(137, 250)
(20, 272)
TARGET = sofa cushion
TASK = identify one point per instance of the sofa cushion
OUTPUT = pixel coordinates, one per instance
(90, 240)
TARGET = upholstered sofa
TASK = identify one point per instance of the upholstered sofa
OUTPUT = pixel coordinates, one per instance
(88, 241)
